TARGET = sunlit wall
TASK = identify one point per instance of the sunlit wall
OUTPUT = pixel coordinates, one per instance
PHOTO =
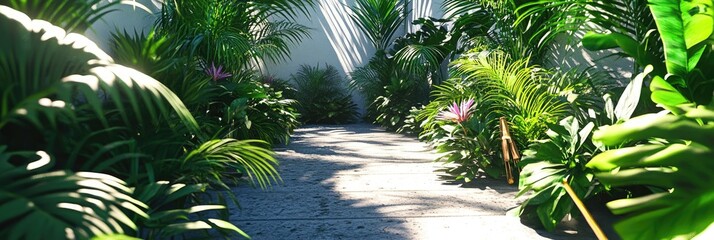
(127, 18)
(338, 41)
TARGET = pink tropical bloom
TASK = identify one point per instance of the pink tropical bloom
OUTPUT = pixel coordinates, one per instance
(458, 112)
(217, 73)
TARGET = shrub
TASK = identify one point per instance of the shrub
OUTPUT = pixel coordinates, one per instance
(321, 97)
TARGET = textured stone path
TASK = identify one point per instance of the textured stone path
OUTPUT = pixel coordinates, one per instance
(360, 182)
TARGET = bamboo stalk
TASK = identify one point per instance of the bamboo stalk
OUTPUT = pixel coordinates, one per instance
(506, 150)
(589, 218)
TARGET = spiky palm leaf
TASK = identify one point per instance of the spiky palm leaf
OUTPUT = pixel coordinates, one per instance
(322, 97)
(511, 88)
(70, 71)
(212, 159)
(233, 33)
(157, 56)
(631, 18)
(379, 20)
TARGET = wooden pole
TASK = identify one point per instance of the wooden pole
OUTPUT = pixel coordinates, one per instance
(589, 218)
(508, 149)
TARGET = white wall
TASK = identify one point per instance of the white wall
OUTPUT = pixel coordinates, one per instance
(569, 53)
(125, 17)
(336, 40)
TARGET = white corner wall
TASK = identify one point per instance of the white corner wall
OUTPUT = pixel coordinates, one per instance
(336, 40)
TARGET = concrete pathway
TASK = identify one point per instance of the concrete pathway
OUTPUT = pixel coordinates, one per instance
(360, 182)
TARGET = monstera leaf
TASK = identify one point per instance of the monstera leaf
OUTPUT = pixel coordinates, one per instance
(680, 162)
(37, 203)
(167, 217)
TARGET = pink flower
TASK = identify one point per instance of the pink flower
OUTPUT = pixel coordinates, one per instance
(457, 112)
(217, 73)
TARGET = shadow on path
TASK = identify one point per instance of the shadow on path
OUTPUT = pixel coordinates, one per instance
(360, 182)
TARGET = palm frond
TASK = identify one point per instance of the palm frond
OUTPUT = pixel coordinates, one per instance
(74, 16)
(70, 78)
(513, 88)
(454, 8)
(631, 18)
(210, 160)
(379, 20)
(273, 40)
(234, 33)
(418, 59)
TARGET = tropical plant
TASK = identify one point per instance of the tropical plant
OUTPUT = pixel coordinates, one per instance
(68, 102)
(379, 20)
(676, 163)
(389, 92)
(157, 56)
(229, 104)
(321, 97)
(246, 109)
(168, 218)
(423, 52)
(501, 31)
(62, 203)
(628, 22)
(235, 33)
(73, 16)
(280, 85)
(466, 141)
(549, 162)
(511, 88)
(686, 28)
(671, 162)
(400, 95)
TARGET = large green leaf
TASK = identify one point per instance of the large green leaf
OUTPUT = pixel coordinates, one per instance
(546, 163)
(631, 96)
(666, 95)
(631, 47)
(38, 203)
(698, 20)
(682, 26)
(681, 164)
(47, 69)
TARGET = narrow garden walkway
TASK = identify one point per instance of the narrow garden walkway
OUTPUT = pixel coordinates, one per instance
(360, 182)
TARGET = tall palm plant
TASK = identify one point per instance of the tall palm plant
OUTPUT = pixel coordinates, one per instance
(234, 33)
(379, 20)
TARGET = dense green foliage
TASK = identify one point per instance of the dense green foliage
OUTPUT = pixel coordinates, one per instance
(74, 121)
(322, 97)
(677, 168)
(547, 163)
(502, 73)
(126, 146)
